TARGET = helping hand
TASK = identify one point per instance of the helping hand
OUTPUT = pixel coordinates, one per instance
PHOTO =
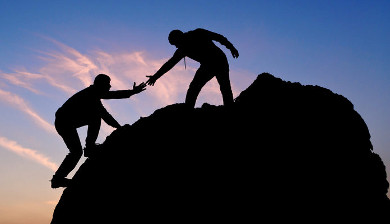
(151, 80)
(234, 52)
(139, 88)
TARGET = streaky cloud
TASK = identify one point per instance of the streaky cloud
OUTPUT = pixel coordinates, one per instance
(24, 79)
(69, 70)
(14, 79)
(27, 153)
(19, 103)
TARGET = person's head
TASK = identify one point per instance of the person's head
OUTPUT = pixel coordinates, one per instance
(102, 82)
(175, 37)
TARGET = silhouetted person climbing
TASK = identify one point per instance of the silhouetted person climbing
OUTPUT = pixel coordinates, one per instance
(85, 108)
(198, 45)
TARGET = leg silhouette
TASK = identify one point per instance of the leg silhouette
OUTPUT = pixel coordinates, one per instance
(225, 87)
(72, 141)
(93, 131)
(202, 76)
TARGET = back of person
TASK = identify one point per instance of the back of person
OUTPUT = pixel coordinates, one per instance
(80, 108)
(199, 46)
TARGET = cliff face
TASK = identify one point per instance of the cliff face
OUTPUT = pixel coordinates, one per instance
(283, 152)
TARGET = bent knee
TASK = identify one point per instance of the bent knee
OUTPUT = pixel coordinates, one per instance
(76, 154)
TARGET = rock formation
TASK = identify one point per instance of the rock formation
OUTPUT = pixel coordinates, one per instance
(283, 152)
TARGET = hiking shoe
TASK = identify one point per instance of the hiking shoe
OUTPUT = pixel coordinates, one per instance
(57, 182)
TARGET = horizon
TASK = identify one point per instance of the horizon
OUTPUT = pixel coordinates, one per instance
(50, 50)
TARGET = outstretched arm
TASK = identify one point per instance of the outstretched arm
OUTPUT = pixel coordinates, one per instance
(222, 40)
(121, 94)
(177, 56)
(94, 127)
(109, 119)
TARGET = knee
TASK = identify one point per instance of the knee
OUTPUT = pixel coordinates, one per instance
(76, 154)
(225, 88)
(95, 119)
(60, 126)
(193, 86)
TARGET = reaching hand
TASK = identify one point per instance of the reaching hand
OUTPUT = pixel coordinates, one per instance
(139, 88)
(151, 80)
(234, 52)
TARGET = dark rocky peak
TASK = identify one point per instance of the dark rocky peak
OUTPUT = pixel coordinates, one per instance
(283, 152)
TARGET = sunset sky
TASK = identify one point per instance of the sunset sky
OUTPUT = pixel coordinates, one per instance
(49, 50)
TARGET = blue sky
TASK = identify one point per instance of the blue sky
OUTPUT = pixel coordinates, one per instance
(51, 49)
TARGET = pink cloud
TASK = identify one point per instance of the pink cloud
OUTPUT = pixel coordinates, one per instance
(27, 153)
(19, 103)
(63, 66)
(69, 70)
(16, 80)
(27, 80)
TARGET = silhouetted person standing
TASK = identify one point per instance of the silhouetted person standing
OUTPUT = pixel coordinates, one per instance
(85, 108)
(198, 45)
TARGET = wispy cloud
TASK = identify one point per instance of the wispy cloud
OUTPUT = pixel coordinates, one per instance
(16, 80)
(69, 70)
(66, 67)
(27, 80)
(18, 102)
(123, 68)
(69, 61)
(27, 153)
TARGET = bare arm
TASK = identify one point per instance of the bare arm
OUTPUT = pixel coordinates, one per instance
(94, 127)
(121, 94)
(222, 40)
(177, 56)
(109, 119)
(118, 94)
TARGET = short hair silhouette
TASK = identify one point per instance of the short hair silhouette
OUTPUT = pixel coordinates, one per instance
(101, 79)
(174, 36)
